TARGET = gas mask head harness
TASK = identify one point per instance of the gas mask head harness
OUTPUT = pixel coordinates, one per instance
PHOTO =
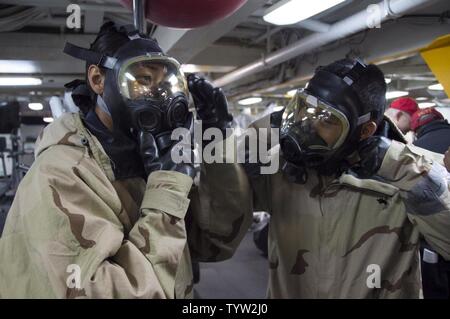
(144, 89)
(321, 126)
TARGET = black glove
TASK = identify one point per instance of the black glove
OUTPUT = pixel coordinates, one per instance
(371, 152)
(276, 118)
(155, 160)
(210, 103)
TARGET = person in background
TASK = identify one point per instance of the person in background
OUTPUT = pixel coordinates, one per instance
(433, 134)
(431, 129)
(400, 112)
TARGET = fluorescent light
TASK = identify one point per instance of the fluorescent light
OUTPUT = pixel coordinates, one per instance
(35, 106)
(48, 119)
(291, 93)
(388, 80)
(426, 105)
(422, 99)
(293, 11)
(395, 94)
(250, 101)
(18, 66)
(15, 81)
(436, 87)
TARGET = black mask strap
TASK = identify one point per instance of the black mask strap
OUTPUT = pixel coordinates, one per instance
(89, 56)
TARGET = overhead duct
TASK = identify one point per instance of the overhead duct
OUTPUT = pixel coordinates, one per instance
(387, 9)
(139, 16)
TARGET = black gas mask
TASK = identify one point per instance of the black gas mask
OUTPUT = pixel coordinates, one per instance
(144, 89)
(153, 92)
(321, 126)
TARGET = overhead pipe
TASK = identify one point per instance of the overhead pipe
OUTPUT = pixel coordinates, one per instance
(139, 16)
(267, 35)
(356, 23)
(311, 25)
(314, 25)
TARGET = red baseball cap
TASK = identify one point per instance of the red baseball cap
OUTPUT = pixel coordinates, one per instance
(405, 104)
(425, 116)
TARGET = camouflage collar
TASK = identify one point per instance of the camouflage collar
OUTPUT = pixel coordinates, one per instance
(69, 130)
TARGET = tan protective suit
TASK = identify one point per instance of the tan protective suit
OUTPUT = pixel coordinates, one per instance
(347, 237)
(328, 238)
(74, 231)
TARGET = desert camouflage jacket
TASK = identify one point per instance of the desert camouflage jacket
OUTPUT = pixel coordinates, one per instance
(75, 231)
(348, 237)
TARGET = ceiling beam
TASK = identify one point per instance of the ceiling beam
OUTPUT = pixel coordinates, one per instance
(39, 46)
(93, 20)
(390, 43)
(186, 44)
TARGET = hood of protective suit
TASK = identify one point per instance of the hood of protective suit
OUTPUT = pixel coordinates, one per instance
(62, 130)
(69, 130)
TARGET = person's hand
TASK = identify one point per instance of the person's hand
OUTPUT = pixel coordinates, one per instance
(447, 160)
(156, 160)
(210, 103)
(371, 153)
(276, 118)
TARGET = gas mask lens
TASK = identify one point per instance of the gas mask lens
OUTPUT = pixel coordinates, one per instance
(155, 91)
(151, 78)
(314, 124)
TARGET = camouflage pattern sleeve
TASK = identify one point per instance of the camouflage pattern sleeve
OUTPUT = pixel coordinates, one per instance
(146, 264)
(161, 231)
(220, 213)
(425, 187)
(75, 224)
(222, 206)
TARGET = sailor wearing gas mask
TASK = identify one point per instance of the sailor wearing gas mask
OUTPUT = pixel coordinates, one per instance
(101, 214)
(349, 203)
